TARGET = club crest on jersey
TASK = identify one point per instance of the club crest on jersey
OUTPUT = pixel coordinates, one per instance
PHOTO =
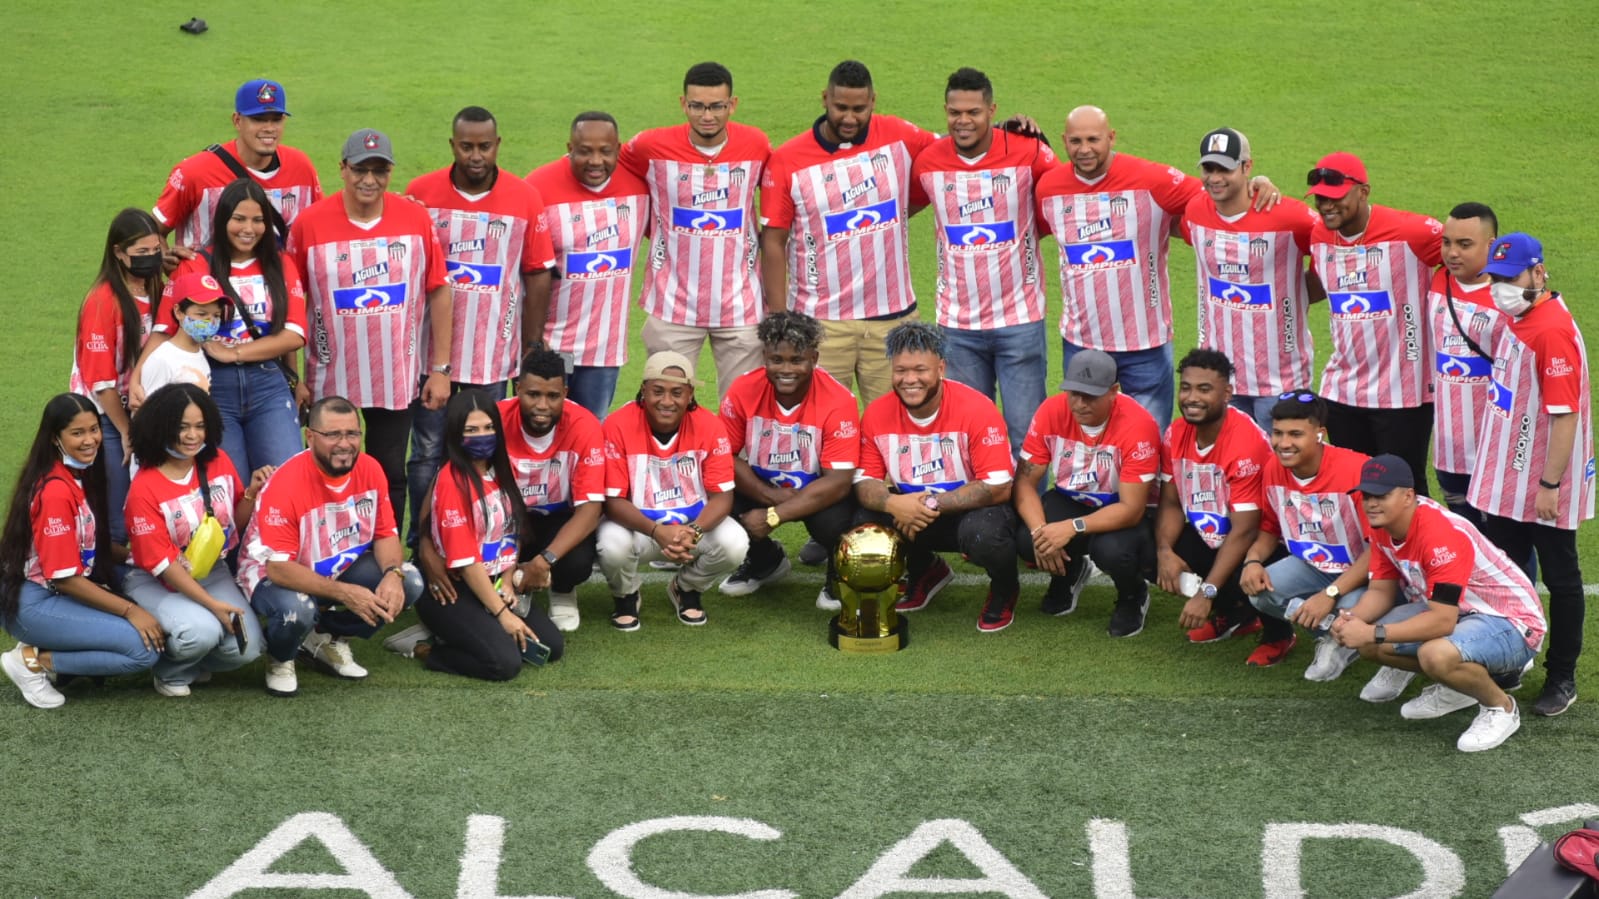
(980, 204)
(594, 266)
(977, 237)
(1253, 297)
(370, 272)
(1462, 369)
(1326, 557)
(706, 221)
(1361, 305)
(1501, 398)
(1103, 255)
(475, 245)
(609, 232)
(371, 299)
(840, 225)
(473, 276)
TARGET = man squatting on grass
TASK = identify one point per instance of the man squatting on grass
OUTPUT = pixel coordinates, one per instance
(1442, 600)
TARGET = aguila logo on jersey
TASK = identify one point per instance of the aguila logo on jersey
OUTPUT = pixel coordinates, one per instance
(1093, 229)
(371, 299)
(1459, 369)
(930, 467)
(1361, 305)
(709, 196)
(609, 232)
(1255, 297)
(706, 221)
(372, 271)
(1323, 556)
(459, 247)
(851, 193)
(1236, 269)
(850, 222)
(980, 236)
(593, 266)
(982, 204)
(473, 276)
(1101, 255)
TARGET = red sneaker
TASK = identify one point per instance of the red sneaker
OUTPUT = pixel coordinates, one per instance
(997, 613)
(1219, 628)
(1270, 652)
(925, 587)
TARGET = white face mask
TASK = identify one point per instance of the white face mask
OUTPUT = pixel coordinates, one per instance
(1512, 299)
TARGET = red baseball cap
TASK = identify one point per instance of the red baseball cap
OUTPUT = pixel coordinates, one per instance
(1579, 851)
(197, 287)
(1335, 175)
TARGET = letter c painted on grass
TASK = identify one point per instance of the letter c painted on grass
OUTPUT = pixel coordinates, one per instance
(611, 859)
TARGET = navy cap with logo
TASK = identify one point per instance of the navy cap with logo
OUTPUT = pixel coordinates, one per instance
(1513, 254)
(1381, 475)
(260, 97)
(1224, 147)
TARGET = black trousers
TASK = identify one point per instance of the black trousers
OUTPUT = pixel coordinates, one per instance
(986, 536)
(1562, 574)
(1127, 556)
(824, 526)
(388, 434)
(571, 569)
(1407, 433)
(472, 643)
(1231, 602)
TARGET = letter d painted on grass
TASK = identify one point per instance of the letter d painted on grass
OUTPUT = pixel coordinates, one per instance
(1442, 873)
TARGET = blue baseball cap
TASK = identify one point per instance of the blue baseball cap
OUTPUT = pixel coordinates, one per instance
(1512, 254)
(259, 97)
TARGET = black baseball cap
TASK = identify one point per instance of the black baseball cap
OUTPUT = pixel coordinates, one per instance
(1381, 475)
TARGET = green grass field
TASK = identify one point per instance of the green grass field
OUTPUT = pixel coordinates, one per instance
(1042, 761)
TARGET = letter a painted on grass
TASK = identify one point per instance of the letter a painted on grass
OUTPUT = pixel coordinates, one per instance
(890, 873)
(480, 860)
(362, 872)
(1442, 874)
(611, 859)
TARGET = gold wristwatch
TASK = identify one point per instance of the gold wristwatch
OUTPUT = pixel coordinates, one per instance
(772, 519)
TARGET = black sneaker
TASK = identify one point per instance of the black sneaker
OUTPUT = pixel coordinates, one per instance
(812, 553)
(754, 572)
(1557, 696)
(1061, 597)
(1127, 618)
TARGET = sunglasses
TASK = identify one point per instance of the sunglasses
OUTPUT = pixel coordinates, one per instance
(1296, 395)
(1329, 177)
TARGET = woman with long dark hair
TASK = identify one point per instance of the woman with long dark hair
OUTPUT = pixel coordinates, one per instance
(475, 521)
(180, 572)
(55, 559)
(112, 324)
(257, 349)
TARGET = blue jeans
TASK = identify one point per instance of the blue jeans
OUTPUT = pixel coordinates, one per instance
(593, 387)
(196, 641)
(260, 425)
(1015, 358)
(1147, 376)
(1294, 578)
(1488, 640)
(291, 615)
(1256, 407)
(81, 640)
(117, 480)
(427, 451)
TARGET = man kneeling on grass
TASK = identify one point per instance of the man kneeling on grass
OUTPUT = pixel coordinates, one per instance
(1442, 600)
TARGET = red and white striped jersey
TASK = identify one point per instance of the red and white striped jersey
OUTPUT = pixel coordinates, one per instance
(1113, 235)
(162, 514)
(846, 210)
(467, 529)
(1222, 479)
(323, 523)
(250, 284)
(670, 483)
(1377, 298)
(792, 447)
(564, 469)
(1443, 548)
(188, 202)
(703, 269)
(597, 235)
(98, 352)
(1460, 377)
(366, 298)
(489, 242)
(1317, 520)
(63, 529)
(1091, 469)
(1540, 369)
(965, 441)
(1253, 304)
(988, 266)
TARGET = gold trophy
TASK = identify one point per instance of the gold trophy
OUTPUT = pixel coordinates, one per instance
(870, 560)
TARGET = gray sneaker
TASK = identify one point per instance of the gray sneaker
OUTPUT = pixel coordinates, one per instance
(1435, 701)
(333, 653)
(1386, 684)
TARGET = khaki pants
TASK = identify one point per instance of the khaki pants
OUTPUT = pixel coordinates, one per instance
(735, 350)
(855, 349)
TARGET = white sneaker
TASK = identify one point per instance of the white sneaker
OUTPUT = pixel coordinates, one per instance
(35, 685)
(827, 602)
(404, 642)
(280, 678)
(334, 654)
(1386, 684)
(563, 611)
(1330, 661)
(169, 689)
(1436, 701)
(1490, 728)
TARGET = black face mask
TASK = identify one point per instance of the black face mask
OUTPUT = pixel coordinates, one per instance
(145, 267)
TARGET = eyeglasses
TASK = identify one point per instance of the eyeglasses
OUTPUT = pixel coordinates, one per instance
(702, 108)
(1329, 177)
(1296, 395)
(338, 436)
(376, 171)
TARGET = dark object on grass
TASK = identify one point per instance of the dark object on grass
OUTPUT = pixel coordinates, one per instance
(1542, 876)
(193, 26)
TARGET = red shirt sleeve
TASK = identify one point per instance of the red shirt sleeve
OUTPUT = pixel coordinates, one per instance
(617, 481)
(438, 267)
(719, 459)
(99, 330)
(294, 315)
(1244, 474)
(1173, 189)
(1141, 460)
(538, 251)
(55, 531)
(1449, 556)
(872, 465)
(149, 538)
(841, 437)
(1382, 569)
(733, 416)
(373, 478)
(918, 195)
(1426, 239)
(177, 199)
(454, 529)
(277, 517)
(588, 481)
(1045, 421)
(1559, 369)
(777, 204)
(633, 157)
(988, 443)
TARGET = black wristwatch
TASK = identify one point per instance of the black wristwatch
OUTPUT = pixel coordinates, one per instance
(1379, 634)
(550, 557)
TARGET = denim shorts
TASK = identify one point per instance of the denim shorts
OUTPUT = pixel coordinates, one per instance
(1491, 641)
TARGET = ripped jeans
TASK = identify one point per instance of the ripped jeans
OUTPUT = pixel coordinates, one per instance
(290, 615)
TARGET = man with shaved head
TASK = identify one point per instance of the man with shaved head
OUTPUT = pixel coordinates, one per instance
(1112, 214)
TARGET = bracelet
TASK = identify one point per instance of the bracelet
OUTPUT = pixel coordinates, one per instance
(1249, 562)
(1034, 531)
(1546, 485)
(126, 609)
(391, 569)
(653, 529)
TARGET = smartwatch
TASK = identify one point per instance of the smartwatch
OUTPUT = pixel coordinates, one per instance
(550, 557)
(1379, 634)
(1078, 526)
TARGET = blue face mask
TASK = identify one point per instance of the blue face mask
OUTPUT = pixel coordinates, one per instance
(175, 453)
(201, 329)
(74, 462)
(480, 446)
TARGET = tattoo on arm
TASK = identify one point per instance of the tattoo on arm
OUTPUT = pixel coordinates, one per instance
(873, 495)
(971, 495)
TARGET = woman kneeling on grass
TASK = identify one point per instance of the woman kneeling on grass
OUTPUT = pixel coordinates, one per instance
(474, 521)
(181, 574)
(55, 557)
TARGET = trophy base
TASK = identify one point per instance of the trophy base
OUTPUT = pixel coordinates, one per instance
(894, 641)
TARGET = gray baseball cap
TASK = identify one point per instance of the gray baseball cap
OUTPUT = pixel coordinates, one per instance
(368, 144)
(1091, 371)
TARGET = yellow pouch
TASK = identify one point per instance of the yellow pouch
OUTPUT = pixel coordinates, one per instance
(205, 547)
